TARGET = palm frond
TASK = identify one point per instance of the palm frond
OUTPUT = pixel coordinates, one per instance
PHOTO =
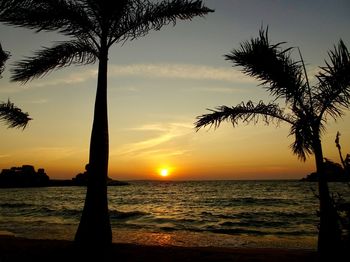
(3, 58)
(13, 116)
(246, 113)
(112, 15)
(108, 10)
(272, 66)
(65, 16)
(302, 145)
(143, 16)
(61, 55)
(334, 82)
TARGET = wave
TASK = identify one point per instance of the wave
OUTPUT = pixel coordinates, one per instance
(286, 215)
(15, 205)
(256, 223)
(232, 208)
(249, 201)
(30, 210)
(119, 215)
(236, 231)
(245, 231)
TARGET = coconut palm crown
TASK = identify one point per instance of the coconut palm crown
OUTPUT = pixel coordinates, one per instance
(92, 27)
(306, 107)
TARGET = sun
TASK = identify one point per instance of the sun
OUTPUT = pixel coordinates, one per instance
(164, 172)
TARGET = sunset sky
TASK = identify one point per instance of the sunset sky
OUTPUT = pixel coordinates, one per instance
(159, 84)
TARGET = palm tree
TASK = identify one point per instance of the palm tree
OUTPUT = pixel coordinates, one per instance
(306, 108)
(9, 113)
(93, 27)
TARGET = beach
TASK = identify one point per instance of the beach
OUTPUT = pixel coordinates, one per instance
(23, 249)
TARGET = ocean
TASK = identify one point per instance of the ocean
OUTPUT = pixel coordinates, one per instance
(189, 213)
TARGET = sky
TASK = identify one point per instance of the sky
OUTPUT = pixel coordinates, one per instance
(159, 84)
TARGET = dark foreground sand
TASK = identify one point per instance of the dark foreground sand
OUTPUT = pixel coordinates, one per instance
(21, 249)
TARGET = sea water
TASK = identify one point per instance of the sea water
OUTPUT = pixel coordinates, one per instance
(190, 213)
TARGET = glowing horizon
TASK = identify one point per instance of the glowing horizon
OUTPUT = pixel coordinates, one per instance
(158, 85)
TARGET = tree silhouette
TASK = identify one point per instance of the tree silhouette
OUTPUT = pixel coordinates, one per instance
(9, 113)
(93, 27)
(306, 108)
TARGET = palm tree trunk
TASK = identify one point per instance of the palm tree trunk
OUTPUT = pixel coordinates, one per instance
(94, 228)
(329, 231)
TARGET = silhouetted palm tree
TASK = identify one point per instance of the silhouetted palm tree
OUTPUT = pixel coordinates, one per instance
(9, 113)
(306, 108)
(93, 26)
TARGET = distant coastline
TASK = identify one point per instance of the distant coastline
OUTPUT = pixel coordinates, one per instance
(333, 172)
(314, 177)
(26, 176)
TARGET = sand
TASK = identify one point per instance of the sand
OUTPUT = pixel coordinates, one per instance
(22, 249)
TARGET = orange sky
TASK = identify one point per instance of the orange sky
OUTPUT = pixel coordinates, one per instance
(159, 84)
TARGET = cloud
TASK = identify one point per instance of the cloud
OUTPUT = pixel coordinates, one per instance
(69, 79)
(217, 89)
(39, 101)
(51, 153)
(162, 126)
(5, 156)
(153, 70)
(156, 70)
(8, 88)
(180, 71)
(161, 143)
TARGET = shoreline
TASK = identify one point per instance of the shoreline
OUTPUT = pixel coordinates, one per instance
(179, 238)
(23, 249)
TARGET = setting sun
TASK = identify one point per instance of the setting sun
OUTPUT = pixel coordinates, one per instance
(164, 172)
